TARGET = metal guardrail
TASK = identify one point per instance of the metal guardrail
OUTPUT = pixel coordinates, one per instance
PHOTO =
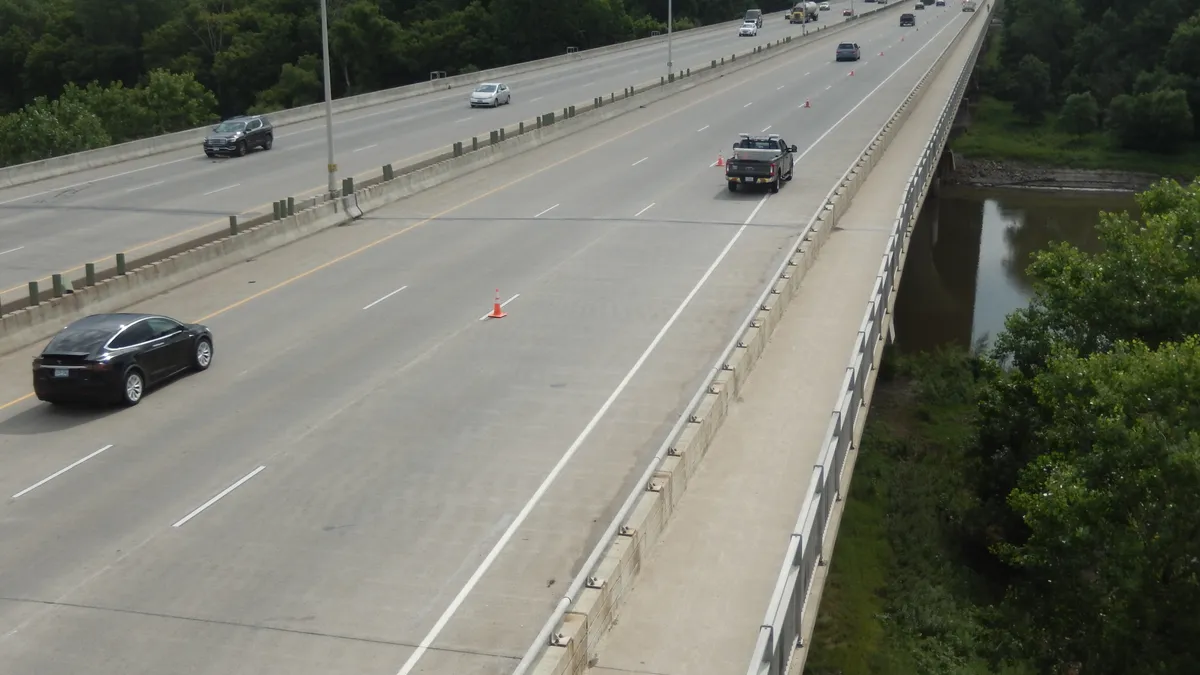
(781, 631)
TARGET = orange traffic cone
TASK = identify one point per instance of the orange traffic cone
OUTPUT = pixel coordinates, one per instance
(497, 312)
(720, 161)
(881, 53)
(807, 104)
(852, 73)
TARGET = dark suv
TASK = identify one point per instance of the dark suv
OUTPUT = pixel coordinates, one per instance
(239, 135)
(908, 19)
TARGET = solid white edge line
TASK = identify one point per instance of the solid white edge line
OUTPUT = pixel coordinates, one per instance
(643, 210)
(60, 472)
(385, 297)
(566, 457)
(502, 306)
(214, 500)
(546, 211)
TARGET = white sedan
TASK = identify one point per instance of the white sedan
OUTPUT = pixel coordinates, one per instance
(491, 95)
(748, 28)
(824, 6)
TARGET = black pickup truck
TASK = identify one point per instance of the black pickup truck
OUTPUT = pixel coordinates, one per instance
(760, 160)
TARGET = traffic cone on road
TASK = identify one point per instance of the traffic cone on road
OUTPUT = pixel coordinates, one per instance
(807, 104)
(497, 312)
(852, 73)
(881, 53)
(720, 160)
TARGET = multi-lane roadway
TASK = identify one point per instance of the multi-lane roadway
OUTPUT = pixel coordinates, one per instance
(373, 478)
(57, 225)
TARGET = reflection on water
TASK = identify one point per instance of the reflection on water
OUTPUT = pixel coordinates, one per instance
(966, 265)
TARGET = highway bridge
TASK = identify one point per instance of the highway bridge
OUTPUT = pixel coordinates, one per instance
(374, 477)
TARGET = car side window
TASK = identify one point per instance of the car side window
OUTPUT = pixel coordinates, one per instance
(254, 125)
(136, 334)
(162, 327)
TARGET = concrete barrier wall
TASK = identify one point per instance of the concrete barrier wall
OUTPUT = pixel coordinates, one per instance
(570, 638)
(57, 166)
(783, 636)
(22, 324)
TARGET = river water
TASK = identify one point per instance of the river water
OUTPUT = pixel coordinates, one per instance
(966, 266)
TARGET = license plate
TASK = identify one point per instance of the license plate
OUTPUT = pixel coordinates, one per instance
(61, 372)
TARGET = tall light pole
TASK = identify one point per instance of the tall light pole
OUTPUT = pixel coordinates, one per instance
(670, 25)
(331, 167)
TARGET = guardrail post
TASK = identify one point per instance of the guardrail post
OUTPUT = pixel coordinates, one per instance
(233, 225)
(549, 118)
(388, 174)
(661, 80)
(120, 264)
(89, 274)
(689, 72)
(56, 282)
(278, 215)
(291, 206)
(474, 143)
(520, 128)
(458, 149)
(33, 294)
(572, 109)
(733, 57)
(494, 137)
(714, 63)
(612, 96)
(347, 187)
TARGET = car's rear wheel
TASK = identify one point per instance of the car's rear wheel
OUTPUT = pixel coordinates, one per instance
(775, 185)
(269, 142)
(133, 387)
(202, 354)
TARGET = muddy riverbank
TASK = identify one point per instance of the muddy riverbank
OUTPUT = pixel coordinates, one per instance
(1008, 174)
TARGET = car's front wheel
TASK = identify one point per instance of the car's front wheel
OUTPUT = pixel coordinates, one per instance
(134, 387)
(202, 355)
(241, 149)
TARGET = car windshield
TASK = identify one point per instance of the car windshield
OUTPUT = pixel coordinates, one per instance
(845, 45)
(485, 88)
(230, 127)
(78, 340)
(759, 145)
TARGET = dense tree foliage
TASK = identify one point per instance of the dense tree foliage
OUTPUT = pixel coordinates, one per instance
(82, 74)
(1087, 461)
(1140, 61)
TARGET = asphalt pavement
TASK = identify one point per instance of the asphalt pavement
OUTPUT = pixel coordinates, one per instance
(373, 478)
(58, 225)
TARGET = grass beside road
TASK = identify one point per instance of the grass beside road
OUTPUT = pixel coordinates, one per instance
(997, 133)
(900, 600)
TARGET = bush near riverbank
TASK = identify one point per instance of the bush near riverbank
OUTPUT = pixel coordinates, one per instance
(902, 598)
(998, 133)
(1031, 508)
(1091, 84)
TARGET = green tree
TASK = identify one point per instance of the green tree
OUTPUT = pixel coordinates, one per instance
(1032, 88)
(176, 101)
(1158, 121)
(48, 128)
(1079, 114)
(1110, 573)
(1143, 285)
